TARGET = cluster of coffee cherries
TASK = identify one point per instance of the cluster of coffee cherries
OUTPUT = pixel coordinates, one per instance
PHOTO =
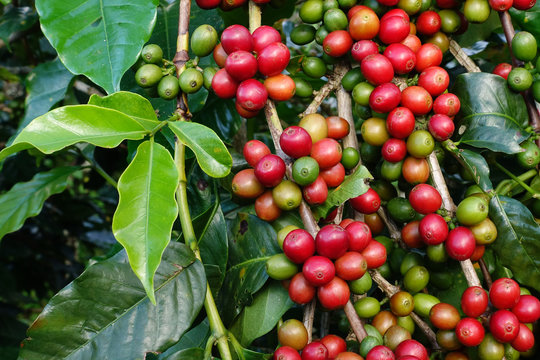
(235, 55)
(319, 163)
(158, 75)
(293, 338)
(509, 320)
(522, 78)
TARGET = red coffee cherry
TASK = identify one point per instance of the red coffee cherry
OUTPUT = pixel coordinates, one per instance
(447, 104)
(315, 351)
(524, 341)
(264, 36)
(441, 127)
(286, 353)
(385, 98)
(254, 150)
(428, 55)
(334, 344)
(428, 22)
(332, 241)
(503, 69)
(334, 176)
(300, 291)
(270, 170)
(474, 301)
(351, 266)
(246, 185)
(224, 85)
(316, 192)
(435, 80)
(527, 309)
(251, 94)
(295, 142)
(299, 246)
(504, 326)
(241, 65)
(337, 43)
(403, 59)
(377, 69)
(327, 152)
(363, 48)
(504, 293)
(318, 270)
(380, 352)
(425, 199)
(367, 203)
(394, 150)
(411, 347)
(400, 122)
(236, 37)
(273, 59)
(394, 29)
(460, 243)
(334, 295)
(470, 332)
(375, 254)
(359, 235)
(433, 229)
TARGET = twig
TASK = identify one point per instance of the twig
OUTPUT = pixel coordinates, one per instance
(395, 234)
(334, 81)
(309, 316)
(357, 324)
(87, 89)
(182, 56)
(485, 272)
(390, 290)
(325, 324)
(463, 58)
(440, 184)
(470, 273)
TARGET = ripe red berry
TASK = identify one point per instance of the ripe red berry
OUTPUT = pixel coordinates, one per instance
(224, 85)
(428, 55)
(363, 48)
(394, 150)
(524, 341)
(447, 104)
(380, 352)
(385, 98)
(337, 43)
(377, 69)
(503, 69)
(394, 29)
(434, 79)
(470, 332)
(500, 5)
(527, 309)
(299, 245)
(295, 142)
(241, 65)
(334, 344)
(441, 127)
(460, 243)
(367, 203)
(504, 293)
(403, 59)
(270, 170)
(264, 36)
(428, 22)
(351, 266)
(286, 353)
(334, 176)
(425, 199)
(315, 351)
(254, 150)
(251, 94)
(400, 122)
(359, 235)
(417, 99)
(504, 326)
(474, 301)
(433, 229)
(327, 152)
(375, 254)
(316, 192)
(273, 59)
(411, 347)
(332, 241)
(334, 295)
(236, 37)
(300, 291)
(318, 270)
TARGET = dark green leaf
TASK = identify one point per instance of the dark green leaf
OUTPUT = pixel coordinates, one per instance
(185, 354)
(72, 124)
(214, 249)
(251, 243)
(194, 338)
(25, 200)
(517, 244)
(262, 315)
(146, 210)
(221, 116)
(46, 85)
(98, 38)
(353, 186)
(494, 120)
(131, 104)
(212, 155)
(106, 311)
(475, 164)
(528, 20)
(479, 32)
(16, 19)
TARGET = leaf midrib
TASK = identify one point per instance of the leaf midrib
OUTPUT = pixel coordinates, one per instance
(101, 9)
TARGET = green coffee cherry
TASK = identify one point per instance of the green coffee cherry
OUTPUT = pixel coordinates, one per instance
(152, 54)
(313, 67)
(530, 157)
(303, 88)
(524, 46)
(168, 87)
(311, 11)
(303, 34)
(203, 40)
(208, 75)
(279, 267)
(191, 80)
(148, 75)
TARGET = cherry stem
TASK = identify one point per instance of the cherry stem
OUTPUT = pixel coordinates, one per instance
(485, 272)
(463, 58)
(334, 82)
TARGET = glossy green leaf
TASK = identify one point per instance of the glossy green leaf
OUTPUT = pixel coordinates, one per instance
(528, 20)
(494, 120)
(475, 164)
(517, 244)
(479, 32)
(213, 245)
(353, 186)
(194, 338)
(131, 104)
(98, 38)
(26, 199)
(105, 313)
(221, 116)
(72, 124)
(46, 85)
(146, 210)
(252, 241)
(212, 155)
(262, 315)
(16, 19)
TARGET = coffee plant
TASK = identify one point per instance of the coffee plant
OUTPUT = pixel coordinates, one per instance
(269, 179)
